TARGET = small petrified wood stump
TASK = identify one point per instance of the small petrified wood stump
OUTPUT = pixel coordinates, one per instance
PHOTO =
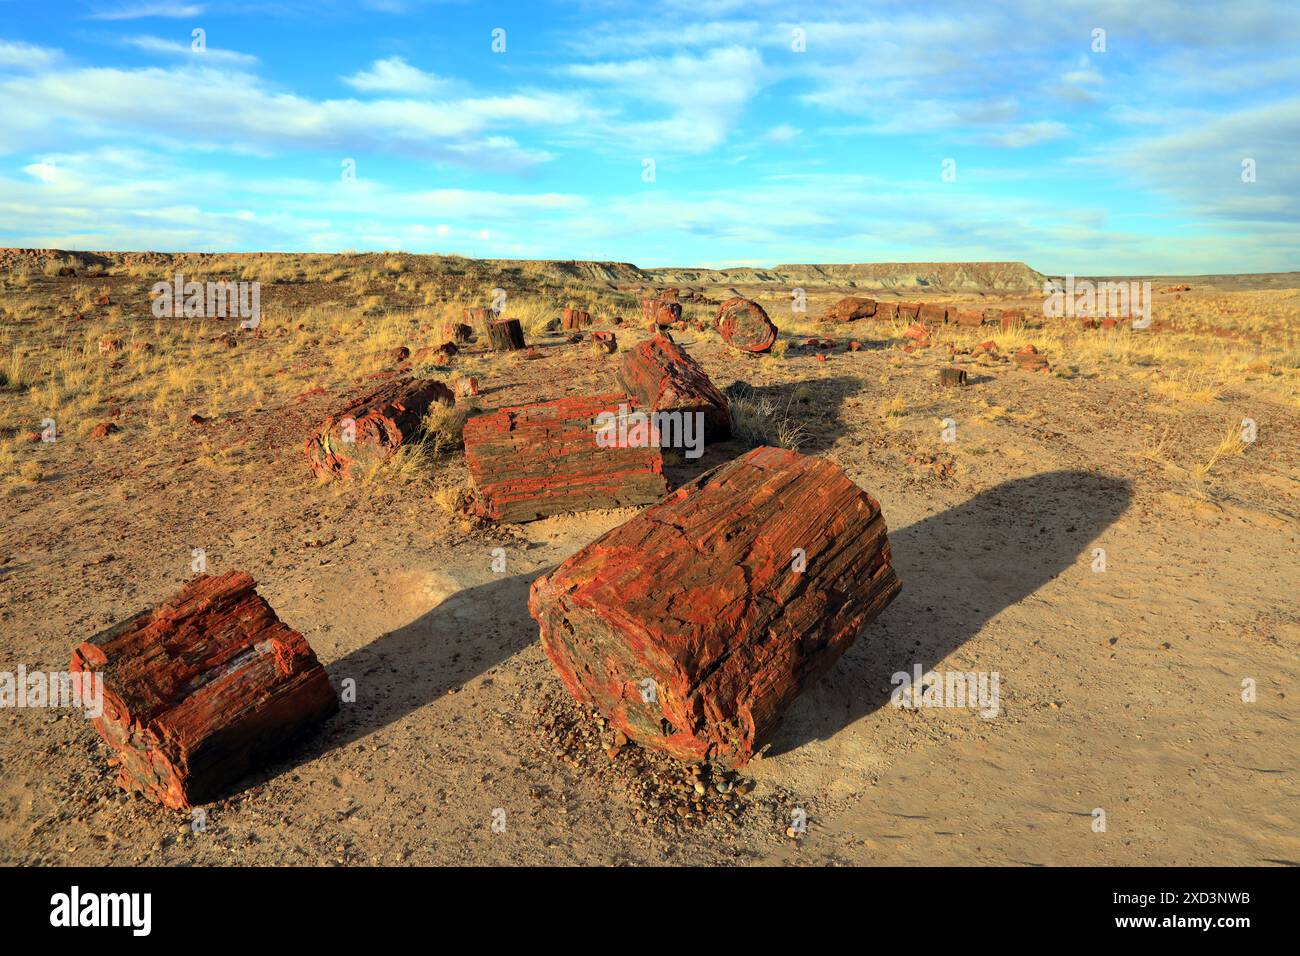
(456, 332)
(532, 461)
(203, 689)
(369, 429)
(661, 312)
(505, 335)
(695, 624)
(573, 319)
(664, 378)
(952, 376)
(743, 324)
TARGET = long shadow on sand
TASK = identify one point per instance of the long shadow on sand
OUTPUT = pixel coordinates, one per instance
(959, 569)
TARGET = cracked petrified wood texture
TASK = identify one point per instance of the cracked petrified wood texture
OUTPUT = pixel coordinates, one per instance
(743, 324)
(532, 461)
(367, 430)
(662, 376)
(203, 689)
(691, 627)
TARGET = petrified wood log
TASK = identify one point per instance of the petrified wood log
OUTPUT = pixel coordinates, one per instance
(574, 319)
(203, 689)
(931, 313)
(664, 378)
(743, 324)
(505, 335)
(661, 312)
(694, 625)
(372, 427)
(532, 461)
(850, 309)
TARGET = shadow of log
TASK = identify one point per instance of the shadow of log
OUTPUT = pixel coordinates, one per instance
(959, 569)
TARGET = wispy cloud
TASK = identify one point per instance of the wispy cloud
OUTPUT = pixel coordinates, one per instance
(395, 75)
(162, 47)
(140, 11)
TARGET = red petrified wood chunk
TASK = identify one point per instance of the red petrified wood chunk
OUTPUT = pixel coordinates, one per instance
(661, 312)
(694, 625)
(850, 309)
(664, 378)
(203, 689)
(369, 429)
(543, 459)
(743, 324)
(573, 319)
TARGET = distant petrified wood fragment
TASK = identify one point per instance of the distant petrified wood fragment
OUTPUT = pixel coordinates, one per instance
(605, 343)
(967, 318)
(1030, 359)
(107, 345)
(931, 313)
(664, 378)
(952, 376)
(743, 324)
(661, 312)
(850, 309)
(573, 319)
(456, 332)
(103, 430)
(886, 311)
(532, 461)
(203, 689)
(368, 429)
(694, 625)
(505, 335)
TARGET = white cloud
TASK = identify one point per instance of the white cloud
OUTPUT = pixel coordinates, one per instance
(26, 56)
(703, 96)
(152, 44)
(395, 75)
(142, 10)
(1029, 134)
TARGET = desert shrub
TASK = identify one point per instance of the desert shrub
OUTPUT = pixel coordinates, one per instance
(763, 420)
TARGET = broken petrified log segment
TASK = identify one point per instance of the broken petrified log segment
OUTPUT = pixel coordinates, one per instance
(573, 319)
(661, 312)
(850, 309)
(952, 376)
(203, 689)
(743, 324)
(930, 313)
(506, 335)
(662, 377)
(694, 625)
(369, 429)
(532, 461)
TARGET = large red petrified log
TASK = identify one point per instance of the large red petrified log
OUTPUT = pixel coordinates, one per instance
(369, 429)
(664, 378)
(744, 324)
(203, 689)
(532, 461)
(693, 626)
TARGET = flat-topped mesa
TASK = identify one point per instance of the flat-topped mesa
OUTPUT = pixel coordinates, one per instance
(371, 428)
(744, 324)
(548, 458)
(203, 689)
(693, 626)
(662, 377)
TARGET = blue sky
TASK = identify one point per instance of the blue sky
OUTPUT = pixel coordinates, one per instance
(117, 134)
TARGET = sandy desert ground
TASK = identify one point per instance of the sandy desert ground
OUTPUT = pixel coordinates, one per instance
(1121, 690)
